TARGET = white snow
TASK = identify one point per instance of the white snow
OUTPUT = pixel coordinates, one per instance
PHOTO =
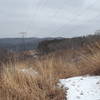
(28, 71)
(82, 88)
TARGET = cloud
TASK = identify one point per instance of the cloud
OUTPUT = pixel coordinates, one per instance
(49, 17)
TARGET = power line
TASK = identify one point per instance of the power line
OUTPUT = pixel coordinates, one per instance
(23, 40)
(36, 11)
(30, 23)
(72, 19)
(42, 5)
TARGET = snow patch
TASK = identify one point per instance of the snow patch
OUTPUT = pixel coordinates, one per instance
(82, 88)
(28, 71)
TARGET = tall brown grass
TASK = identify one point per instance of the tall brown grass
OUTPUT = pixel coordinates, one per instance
(16, 85)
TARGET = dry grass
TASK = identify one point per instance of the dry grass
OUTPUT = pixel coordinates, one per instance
(16, 85)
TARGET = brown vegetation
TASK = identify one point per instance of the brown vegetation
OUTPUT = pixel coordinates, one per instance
(15, 85)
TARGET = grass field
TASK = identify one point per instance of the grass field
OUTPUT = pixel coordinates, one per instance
(38, 79)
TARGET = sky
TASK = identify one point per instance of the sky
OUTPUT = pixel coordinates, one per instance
(49, 18)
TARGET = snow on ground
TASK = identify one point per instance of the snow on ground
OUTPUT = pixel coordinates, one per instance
(28, 71)
(82, 88)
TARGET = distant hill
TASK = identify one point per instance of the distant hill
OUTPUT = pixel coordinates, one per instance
(17, 44)
(48, 46)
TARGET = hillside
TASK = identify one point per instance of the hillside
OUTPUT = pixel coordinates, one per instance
(38, 79)
(46, 45)
(17, 44)
(75, 43)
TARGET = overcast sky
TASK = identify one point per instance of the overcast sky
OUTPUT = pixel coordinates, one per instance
(44, 18)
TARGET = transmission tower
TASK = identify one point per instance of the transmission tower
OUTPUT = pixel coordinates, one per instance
(23, 39)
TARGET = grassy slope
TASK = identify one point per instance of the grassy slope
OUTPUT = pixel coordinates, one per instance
(15, 85)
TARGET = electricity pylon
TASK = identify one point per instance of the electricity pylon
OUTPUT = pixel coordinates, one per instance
(23, 39)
